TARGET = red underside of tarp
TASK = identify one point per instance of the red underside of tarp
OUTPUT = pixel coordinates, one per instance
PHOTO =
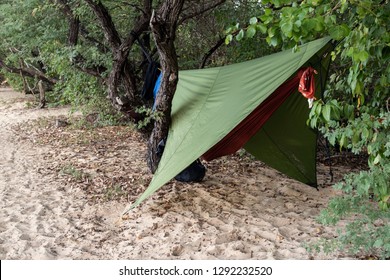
(244, 131)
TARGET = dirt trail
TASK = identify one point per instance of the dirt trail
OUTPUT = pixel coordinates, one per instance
(254, 214)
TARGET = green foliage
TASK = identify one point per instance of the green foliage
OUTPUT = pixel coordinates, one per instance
(354, 113)
(98, 112)
(149, 116)
(34, 36)
(368, 232)
(198, 36)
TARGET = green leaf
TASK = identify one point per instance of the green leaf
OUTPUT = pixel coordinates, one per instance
(251, 32)
(313, 122)
(287, 28)
(268, 11)
(261, 27)
(313, 2)
(319, 24)
(359, 87)
(229, 30)
(298, 23)
(377, 159)
(332, 139)
(365, 133)
(240, 35)
(335, 113)
(356, 137)
(266, 18)
(339, 32)
(274, 41)
(369, 149)
(34, 12)
(318, 107)
(271, 32)
(344, 6)
(343, 141)
(287, 12)
(253, 21)
(383, 81)
(277, 3)
(326, 110)
(363, 56)
(309, 24)
(228, 39)
(349, 111)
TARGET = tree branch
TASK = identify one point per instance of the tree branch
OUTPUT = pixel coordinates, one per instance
(141, 25)
(66, 9)
(108, 26)
(207, 55)
(96, 71)
(200, 10)
(30, 72)
(217, 45)
(274, 8)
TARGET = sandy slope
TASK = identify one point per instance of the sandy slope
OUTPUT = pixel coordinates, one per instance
(247, 213)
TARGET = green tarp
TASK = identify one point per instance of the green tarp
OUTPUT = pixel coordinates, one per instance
(209, 103)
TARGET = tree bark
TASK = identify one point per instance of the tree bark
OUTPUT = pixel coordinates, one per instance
(42, 97)
(74, 22)
(121, 73)
(163, 25)
(74, 27)
(106, 22)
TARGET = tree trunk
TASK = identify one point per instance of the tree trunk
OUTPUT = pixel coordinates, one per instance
(74, 27)
(163, 25)
(121, 73)
(42, 97)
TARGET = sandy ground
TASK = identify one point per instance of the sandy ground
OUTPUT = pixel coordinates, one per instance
(62, 191)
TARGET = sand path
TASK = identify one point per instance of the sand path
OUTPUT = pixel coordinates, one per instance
(252, 215)
(32, 207)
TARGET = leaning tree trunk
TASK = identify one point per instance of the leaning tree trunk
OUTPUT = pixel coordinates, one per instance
(163, 25)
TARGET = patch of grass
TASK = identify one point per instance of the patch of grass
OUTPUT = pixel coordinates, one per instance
(114, 192)
(243, 154)
(30, 105)
(73, 172)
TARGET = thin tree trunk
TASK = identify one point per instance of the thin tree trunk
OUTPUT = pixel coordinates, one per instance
(74, 27)
(163, 25)
(25, 87)
(42, 97)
